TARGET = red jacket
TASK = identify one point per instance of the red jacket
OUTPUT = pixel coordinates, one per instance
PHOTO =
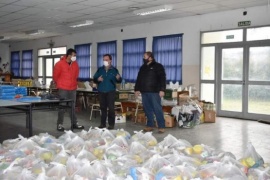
(64, 75)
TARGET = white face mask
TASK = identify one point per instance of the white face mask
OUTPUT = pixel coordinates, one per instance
(105, 63)
(73, 58)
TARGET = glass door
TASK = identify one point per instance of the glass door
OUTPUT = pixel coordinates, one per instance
(244, 82)
(231, 82)
(258, 84)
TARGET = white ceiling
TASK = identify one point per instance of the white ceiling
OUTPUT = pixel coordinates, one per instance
(19, 16)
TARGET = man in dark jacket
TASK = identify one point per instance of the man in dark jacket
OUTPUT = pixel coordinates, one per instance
(65, 75)
(151, 83)
(106, 77)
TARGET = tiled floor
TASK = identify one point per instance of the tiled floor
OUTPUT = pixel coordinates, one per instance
(226, 134)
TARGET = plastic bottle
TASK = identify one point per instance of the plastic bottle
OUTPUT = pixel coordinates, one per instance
(123, 84)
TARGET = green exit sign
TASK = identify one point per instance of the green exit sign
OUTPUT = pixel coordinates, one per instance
(244, 23)
(230, 37)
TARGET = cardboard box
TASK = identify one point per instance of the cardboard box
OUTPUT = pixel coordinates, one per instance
(123, 96)
(169, 121)
(120, 118)
(209, 116)
(141, 118)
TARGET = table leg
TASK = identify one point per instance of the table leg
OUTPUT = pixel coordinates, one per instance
(30, 121)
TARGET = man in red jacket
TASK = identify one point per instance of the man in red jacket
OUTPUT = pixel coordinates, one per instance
(65, 75)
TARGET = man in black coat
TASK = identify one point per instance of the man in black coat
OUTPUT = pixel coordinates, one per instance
(151, 83)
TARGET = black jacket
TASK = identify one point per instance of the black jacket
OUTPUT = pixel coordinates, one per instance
(151, 78)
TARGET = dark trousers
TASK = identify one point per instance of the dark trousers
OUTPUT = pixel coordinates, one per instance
(66, 94)
(152, 106)
(107, 107)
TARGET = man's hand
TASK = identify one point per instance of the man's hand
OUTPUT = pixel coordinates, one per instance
(100, 79)
(137, 93)
(118, 76)
(161, 94)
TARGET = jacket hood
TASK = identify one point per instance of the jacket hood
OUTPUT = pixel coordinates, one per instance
(63, 58)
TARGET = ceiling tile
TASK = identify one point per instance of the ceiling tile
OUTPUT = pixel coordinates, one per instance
(12, 8)
(31, 10)
(29, 3)
(91, 10)
(118, 4)
(8, 1)
(97, 2)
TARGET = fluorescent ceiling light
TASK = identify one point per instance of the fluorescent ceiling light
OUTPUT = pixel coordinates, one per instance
(153, 10)
(81, 24)
(35, 32)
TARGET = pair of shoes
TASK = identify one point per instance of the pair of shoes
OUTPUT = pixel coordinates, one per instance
(148, 129)
(101, 126)
(161, 130)
(77, 126)
(60, 127)
(110, 127)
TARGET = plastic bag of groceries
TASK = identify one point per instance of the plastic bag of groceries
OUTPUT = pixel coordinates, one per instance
(12, 155)
(169, 140)
(137, 136)
(107, 135)
(138, 173)
(26, 145)
(139, 152)
(65, 138)
(28, 161)
(75, 146)
(176, 172)
(73, 165)
(100, 151)
(100, 169)
(57, 171)
(251, 158)
(26, 175)
(115, 151)
(221, 170)
(121, 166)
(84, 154)
(121, 141)
(181, 144)
(61, 157)
(121, 132)
(10, 143)
(39, 168)
(178, 159)
(43, 176)
(148, 140)
(86, 171)
(45, 154)
(155, 163)
(43, 138)
(259, 173)
(11, 171)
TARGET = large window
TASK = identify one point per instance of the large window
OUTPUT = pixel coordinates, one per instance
(168, 51)
(106, 48)
(15, 63)
(27, 61)
(132, 58)
(84, 60)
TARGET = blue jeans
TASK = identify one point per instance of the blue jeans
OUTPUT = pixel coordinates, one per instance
(152, 106)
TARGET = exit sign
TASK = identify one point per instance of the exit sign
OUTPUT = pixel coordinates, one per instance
(244, 23)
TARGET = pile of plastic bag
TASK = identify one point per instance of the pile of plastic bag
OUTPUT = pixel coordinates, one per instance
(116, 155)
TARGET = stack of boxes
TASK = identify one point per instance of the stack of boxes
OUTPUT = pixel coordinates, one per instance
(7, 92)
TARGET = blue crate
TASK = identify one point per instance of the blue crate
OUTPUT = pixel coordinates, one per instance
(21, 90)
(7, 97)
(7, 87)
(29, 98)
